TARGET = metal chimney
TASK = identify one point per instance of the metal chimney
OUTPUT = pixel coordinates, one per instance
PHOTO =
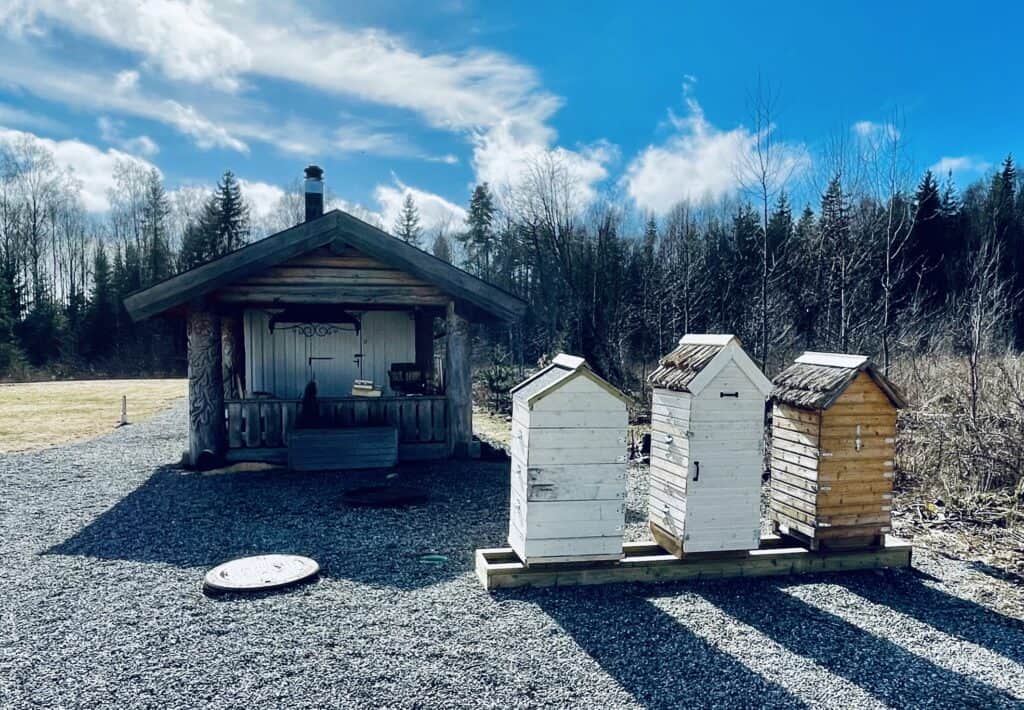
(314, 185)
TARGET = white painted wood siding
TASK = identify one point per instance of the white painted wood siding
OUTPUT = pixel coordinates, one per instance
(724, 435)
(568, 482)
(278, 362)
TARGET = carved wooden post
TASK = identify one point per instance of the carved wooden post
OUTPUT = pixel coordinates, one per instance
(458, 384)
(206, 437)
(232, 356)
(424, 331)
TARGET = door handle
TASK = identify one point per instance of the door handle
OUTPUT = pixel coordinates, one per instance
(696, 470)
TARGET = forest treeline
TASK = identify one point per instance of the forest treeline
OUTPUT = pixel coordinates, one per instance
(870, 263)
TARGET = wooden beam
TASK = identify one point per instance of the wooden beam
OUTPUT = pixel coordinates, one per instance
(499, 568)
(461, 284)
(232, 341)
(243, 262)
(425, 343)
(458, 383)
(207, 438)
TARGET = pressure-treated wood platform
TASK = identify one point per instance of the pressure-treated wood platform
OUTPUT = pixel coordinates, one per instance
(499, 568)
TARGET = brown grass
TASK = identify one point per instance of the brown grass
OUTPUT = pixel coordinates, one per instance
(38, 415)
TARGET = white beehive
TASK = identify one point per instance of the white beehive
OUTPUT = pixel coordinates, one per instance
(569, 465)
(707, 447)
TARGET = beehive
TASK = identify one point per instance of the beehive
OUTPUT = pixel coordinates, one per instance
(833, 443)
(707, 447)
(568, 465)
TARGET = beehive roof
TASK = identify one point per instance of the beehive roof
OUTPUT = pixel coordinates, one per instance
(816, 380)
(562, 369)
(695, 354)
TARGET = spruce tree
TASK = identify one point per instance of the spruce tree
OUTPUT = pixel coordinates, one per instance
(155, 212)
(924, 251)
(441, 248)
(101, 319)
(232, 215)
(479, 238)
(407, 226)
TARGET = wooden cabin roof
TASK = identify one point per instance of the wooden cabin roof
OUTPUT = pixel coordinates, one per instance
(561, 370)
(337, 230)
(704, 353)
(816, 380)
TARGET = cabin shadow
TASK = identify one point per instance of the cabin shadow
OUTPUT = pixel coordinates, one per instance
(198, 520)
(659, 662)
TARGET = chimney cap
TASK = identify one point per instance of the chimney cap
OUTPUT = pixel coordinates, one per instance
(314, 172)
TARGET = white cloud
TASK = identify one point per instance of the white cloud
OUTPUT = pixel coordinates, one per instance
(698, 163)
(489, 97)
(262, 197)
(959, 165)
(92, 167)
(434, 210)
(111, 132)
(873, 131)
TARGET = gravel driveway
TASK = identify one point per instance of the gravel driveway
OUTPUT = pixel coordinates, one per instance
(103, 545)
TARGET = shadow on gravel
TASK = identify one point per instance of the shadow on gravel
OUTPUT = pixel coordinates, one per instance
(198, 520)
(892, 674)
(950, 614)
(661, 663)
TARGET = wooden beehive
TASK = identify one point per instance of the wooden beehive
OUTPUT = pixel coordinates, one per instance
(833, 443)
(707, 447)
(568, 465)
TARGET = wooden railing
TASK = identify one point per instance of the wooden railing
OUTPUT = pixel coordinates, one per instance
(266, 423)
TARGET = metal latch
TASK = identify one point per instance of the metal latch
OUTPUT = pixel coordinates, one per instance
(735, 395)
(696, 473)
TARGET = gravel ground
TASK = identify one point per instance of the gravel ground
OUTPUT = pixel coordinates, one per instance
(103, 546)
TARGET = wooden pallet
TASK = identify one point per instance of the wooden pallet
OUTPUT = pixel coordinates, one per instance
(499, 568)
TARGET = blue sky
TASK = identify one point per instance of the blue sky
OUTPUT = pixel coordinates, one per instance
(648, 102)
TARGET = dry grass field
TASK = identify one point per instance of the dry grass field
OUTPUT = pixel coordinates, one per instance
(37, 415)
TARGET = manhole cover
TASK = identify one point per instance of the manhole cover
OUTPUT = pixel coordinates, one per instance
(256, 574)
(384, 496)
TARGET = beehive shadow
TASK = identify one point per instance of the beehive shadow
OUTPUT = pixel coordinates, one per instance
(660, 662)
(910, 595)
(198, 520)
(890, 673)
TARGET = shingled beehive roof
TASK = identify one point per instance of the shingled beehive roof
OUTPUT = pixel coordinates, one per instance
(816, 380)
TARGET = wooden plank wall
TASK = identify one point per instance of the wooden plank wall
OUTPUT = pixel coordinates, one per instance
(329, 275)
(278, 362)
(823, 486)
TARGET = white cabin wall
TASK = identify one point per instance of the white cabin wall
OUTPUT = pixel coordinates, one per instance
(278, 362)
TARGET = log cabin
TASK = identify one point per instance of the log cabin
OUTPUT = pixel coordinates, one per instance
(340, 302)
(833, 445)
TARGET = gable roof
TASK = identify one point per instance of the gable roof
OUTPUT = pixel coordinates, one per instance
(698, 358)
(561, 370)
(816, 380)
(300, 239)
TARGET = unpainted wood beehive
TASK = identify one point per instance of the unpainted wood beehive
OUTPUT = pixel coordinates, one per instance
(833, 445)
(707, 447)
(569, 465)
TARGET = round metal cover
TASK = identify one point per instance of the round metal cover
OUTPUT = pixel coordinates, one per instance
(257, 574)
(385, 496)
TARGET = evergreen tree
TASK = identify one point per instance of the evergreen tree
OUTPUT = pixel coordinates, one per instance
(925, 249)
(441, 248)
(780, 229)
(9, 351)
(228, 216)
(834, 228)
(407, 226)
(102, 314)
(479, 238)
(155, 212)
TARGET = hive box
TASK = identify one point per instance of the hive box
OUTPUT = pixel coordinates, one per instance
(707, 447)
(833, 443)
(569, 466)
